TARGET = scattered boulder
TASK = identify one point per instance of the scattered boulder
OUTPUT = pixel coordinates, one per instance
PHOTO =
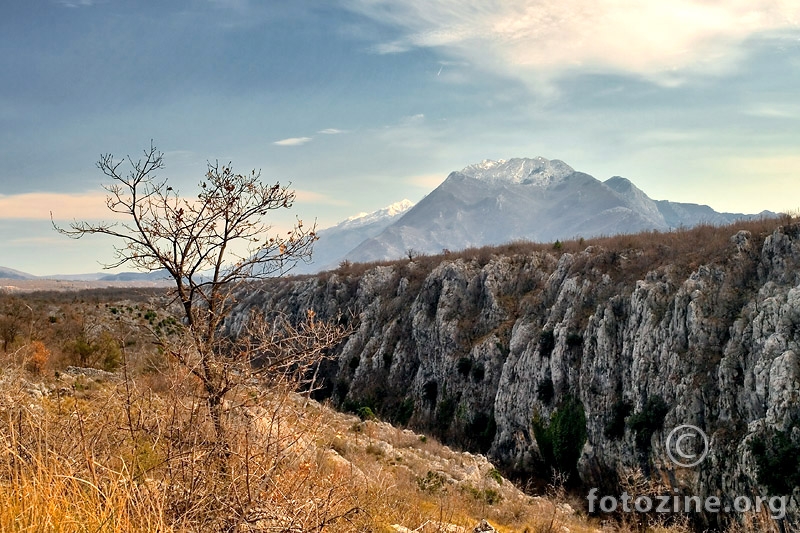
(484, 527)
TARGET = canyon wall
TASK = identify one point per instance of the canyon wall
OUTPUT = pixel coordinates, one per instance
(483, 349)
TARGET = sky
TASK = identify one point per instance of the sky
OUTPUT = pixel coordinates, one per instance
(361, 103)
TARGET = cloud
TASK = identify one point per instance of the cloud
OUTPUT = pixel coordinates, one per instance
(76, 3)
(669, 136)
(293, 141)
(230, 4)
(427, 181)
(38, 205)
(660, 41)
(330, 131)
(410, 132)
(55, 240)
(313, 197)
(774, 111)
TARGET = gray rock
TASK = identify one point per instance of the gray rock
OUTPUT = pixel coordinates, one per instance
(457, 349)
(483, 527)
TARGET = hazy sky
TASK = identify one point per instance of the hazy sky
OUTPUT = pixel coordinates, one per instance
(360, 103)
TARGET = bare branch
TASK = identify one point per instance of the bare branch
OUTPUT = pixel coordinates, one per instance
(211, 244)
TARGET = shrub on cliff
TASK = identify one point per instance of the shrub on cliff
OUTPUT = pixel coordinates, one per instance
(561, 438)
(647, 421)
(776, 461)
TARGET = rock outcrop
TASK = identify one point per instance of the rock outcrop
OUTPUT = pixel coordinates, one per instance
(478, 348)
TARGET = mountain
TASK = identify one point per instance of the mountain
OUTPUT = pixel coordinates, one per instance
(336, 241)
(10, 273)
(132, 277)
(495, 202)
(157, 275)
(94, 276)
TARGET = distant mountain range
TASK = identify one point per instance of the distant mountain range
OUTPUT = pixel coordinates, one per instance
(489, 203)
(495, 202)
(160, 275)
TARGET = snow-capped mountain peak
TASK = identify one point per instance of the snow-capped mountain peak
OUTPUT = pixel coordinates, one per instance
(336, 241)
(536, 171)
(389, 211)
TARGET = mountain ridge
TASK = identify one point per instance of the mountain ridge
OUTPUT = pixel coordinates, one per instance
(496, 202)
(10, 273)
(335, 241)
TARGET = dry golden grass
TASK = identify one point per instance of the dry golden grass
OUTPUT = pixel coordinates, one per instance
(121, 456)
(687, 248)
(140, 455)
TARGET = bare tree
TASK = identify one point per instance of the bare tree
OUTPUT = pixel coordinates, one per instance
(11, 321)
(210, 246)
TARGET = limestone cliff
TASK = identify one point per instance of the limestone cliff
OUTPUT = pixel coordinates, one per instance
(476, 347)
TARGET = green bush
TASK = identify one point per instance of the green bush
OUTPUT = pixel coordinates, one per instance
(495, 475)
(503, 349)
(487, 496)
(432, 483)
(547, 342)
(404, 412)
(647, 421)
(776, 461)
(561, 439)
(446, 412)
(103, 352)
(366, 413)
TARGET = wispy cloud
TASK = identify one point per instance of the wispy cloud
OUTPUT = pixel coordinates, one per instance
(76, 3)
(774, 111)
(331, 131)
(661, 41)
(413, 133)
(38, 205)
(230, 4)
(55, 240)
(313, 197)
(427, 181)
(293, 141)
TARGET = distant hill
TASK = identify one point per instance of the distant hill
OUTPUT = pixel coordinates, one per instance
(93, 276)
(10, 273)
(157, 275)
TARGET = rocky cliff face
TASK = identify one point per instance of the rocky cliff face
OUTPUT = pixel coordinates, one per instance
(480, 349)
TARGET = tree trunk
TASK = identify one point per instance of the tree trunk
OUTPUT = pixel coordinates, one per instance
(215, 408)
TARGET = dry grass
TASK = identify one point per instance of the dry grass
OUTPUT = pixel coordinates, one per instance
(140, 455)
(123, 456)
(690, 247)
